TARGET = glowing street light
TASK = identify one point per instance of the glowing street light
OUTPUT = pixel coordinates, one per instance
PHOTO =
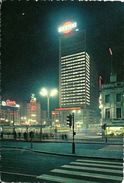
(48, 93)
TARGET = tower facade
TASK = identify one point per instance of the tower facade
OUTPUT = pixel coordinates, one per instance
(77, 80)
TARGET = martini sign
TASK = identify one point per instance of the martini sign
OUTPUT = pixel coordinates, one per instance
(67, 27)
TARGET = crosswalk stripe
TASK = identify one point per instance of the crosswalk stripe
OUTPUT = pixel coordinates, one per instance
(16, 173)
(93, 169)
(98, 161)
(85, 174)
(97, 165)
(61, 179)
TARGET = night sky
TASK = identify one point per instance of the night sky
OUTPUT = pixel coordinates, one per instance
(30, 53)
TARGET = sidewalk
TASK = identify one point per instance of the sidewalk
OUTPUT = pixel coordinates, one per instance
(85, 150)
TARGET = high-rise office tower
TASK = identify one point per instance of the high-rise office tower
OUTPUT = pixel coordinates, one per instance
(74, 68)
(77, 79)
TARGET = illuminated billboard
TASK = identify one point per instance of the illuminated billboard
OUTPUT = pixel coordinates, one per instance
(67, 27)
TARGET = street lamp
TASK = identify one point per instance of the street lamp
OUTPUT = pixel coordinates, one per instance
(48, 93)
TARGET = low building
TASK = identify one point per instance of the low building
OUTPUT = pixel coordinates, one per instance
(9, 113)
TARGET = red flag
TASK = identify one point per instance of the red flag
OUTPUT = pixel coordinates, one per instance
(110, 51)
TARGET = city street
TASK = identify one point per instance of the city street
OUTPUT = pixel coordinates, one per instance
(26, 166)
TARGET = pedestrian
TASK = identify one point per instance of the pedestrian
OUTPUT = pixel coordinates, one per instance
(14, 134)
(31, 135)
(25, 136)
(65, 136)
(19, 135)
(1, 134)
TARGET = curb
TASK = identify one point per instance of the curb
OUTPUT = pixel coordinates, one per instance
(64, 154)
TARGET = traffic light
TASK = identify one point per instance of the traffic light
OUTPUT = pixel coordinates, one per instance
(69, 120)
(104, 126)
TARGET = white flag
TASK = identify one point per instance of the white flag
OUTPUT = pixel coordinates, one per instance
(110, 51)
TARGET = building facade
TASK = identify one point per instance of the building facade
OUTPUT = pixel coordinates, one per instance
(33, 111)
(112, 102)
(77, 80)
(9, 113)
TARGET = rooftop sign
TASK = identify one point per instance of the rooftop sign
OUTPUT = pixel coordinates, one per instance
(67, 27)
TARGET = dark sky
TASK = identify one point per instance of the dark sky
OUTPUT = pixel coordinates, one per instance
(30, 41)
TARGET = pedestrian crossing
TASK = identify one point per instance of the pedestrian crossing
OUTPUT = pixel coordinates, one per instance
(86, 171)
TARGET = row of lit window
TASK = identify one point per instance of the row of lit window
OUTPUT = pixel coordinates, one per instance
(87, 57)
(76, 103)
(72, 100)
(81, 64)
(79, 80)
(88, 67)
(76, 61)
(73, 72)
(73, 76)
(79, 77)
(73, 79)
(81, 83)
(75, 65)
(77, 85)
(75, 88)
(73, 59)
(69, 85)
(72, 55)
(73, 103)
(75, 82)
(72, 67)
(79, 91)
(87, 97)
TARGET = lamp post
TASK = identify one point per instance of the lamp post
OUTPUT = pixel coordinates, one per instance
(48, 93)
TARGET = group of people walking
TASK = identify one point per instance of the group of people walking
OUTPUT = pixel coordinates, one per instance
(18, 135)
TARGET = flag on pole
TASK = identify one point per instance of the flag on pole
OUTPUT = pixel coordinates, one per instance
(110, 51)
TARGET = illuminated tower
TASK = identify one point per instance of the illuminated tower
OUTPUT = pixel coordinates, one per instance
(74, 67)
(33, 111)
(78, 88)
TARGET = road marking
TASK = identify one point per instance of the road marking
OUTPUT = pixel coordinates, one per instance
(15, 173)
(98, 161)
(97, 165)
(62, 179)
(85, 174)
(93, 169)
